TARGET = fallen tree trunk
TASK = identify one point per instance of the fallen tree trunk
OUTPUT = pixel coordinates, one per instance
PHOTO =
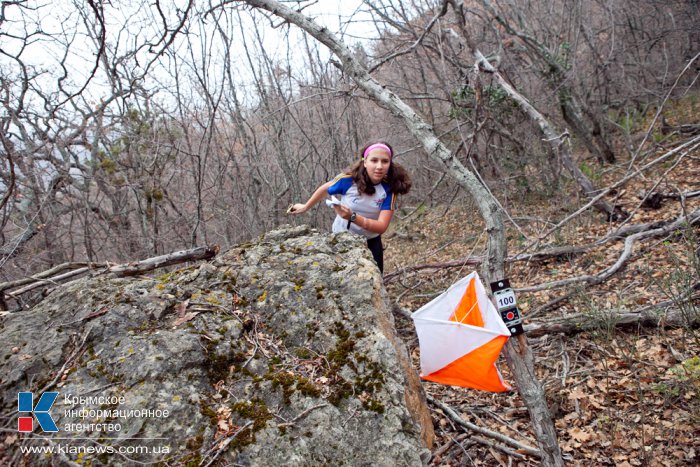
(51, 280)
(195, 254)
(594, 279)
(57, 275)
(656, 315)
(684, 129)
(43, 275)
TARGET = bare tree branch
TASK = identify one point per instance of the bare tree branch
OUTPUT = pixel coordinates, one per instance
(593, 279)
(449, 411)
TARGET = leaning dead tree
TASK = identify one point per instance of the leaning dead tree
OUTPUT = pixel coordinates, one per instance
(557, 140)
(553, 70)
(519, 359)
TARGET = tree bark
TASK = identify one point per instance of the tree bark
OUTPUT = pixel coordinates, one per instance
(522, 365)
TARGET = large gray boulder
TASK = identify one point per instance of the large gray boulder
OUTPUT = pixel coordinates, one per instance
(279, 352)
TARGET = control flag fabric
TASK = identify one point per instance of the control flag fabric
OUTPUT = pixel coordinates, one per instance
(461, 336)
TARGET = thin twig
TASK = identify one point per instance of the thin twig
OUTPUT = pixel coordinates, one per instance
(303, 414)
(227, 441)
(660, 109)
(500, 447)
(75, 353)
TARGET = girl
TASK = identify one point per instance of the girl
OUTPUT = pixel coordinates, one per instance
(368, 192)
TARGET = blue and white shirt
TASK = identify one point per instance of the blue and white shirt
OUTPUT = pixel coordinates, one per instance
(368, 206)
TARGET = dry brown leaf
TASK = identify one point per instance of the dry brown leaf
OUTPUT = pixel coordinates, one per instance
(222, 425)
(580, 435)
(185, 318)
(181, 307)
(577, 393)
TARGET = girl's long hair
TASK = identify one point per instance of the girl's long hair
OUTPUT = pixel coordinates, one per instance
(397, 177)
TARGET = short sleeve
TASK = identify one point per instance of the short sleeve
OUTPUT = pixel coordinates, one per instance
(389, 203)
(340, 185)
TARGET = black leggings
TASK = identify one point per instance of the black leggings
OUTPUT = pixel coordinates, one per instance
(375, 246)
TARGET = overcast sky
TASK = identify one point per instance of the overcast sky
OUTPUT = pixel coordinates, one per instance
(65, 23)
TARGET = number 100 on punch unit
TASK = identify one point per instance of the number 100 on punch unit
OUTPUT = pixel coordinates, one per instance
(505, 299)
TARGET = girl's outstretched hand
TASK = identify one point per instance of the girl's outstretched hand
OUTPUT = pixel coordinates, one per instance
(298, 208)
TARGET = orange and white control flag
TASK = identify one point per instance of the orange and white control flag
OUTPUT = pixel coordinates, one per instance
(461, 336)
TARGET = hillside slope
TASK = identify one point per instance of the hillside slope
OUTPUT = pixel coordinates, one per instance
(620, 395)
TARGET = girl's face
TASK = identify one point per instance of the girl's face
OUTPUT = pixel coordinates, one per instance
(377, 164)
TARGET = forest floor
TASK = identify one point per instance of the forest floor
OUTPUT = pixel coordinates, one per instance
(618, 395)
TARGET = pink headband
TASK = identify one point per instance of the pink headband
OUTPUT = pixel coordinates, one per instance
(376, 146)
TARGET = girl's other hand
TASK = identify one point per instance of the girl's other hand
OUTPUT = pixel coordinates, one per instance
(343, 211)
